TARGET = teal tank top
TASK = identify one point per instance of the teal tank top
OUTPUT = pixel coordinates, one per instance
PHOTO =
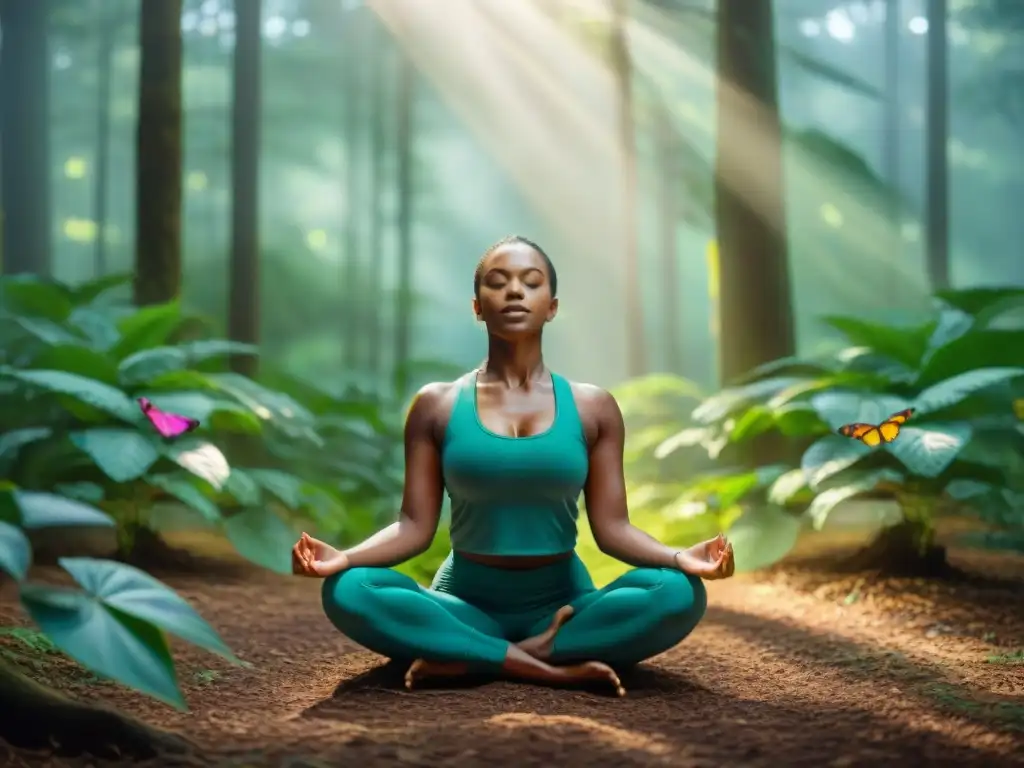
(514, 495)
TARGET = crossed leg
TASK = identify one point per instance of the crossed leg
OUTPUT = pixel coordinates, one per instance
(389, 613)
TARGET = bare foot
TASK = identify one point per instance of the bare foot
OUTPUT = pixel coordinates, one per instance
(422, 669)
(593, 671)
(539, 646)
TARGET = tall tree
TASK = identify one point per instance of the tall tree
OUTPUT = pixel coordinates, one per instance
(623, 67)
(375, 224)
(937, 146)
(25, 136)
(404, 117)
(352, 28)
(669, 179)
(244, 281)
(754, 292)
(106, 24)
(158, 154)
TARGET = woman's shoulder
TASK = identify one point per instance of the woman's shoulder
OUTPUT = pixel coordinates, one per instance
(592, 399)
(433, 402)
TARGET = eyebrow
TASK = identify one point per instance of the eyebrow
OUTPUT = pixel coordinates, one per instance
(506, 272)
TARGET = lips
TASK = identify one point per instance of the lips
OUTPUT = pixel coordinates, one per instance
(515, 309)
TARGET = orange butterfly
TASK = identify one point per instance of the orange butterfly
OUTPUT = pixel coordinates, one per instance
(874, 434)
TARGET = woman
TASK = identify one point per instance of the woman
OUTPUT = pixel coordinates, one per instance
(514, 445)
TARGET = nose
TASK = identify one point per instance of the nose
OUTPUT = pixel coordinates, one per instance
(514, 289)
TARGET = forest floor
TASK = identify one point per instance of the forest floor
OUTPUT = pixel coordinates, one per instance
(791, 667)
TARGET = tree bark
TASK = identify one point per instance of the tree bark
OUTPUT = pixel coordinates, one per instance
(158, 158)
(668, 219)
(107, 23)
(623, 67)
(404, 150)
(36, 717)
(244, 281)
(25, 137)
(937, 142)
(756, 322)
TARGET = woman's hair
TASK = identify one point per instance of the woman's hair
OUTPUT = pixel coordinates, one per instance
(510, 240)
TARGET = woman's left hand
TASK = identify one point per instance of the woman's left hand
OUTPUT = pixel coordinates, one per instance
(710, 560)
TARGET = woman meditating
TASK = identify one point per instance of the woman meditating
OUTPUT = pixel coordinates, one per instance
(514, 445)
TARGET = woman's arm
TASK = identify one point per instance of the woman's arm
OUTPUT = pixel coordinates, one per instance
(605, 492)
(423, 492)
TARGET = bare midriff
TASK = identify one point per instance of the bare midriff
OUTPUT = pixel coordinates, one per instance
(516, 562)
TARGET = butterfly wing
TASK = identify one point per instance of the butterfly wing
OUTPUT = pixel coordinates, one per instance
(170, 424)
(207, 462)
(890, 428)
(866, 433)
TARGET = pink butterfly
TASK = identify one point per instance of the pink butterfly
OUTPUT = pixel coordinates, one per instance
(167, 424)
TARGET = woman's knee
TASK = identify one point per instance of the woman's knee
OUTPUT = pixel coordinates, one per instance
(683, 599)
(348, 596)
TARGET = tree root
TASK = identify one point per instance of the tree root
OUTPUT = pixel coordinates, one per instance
(896, 551)
(37, 717)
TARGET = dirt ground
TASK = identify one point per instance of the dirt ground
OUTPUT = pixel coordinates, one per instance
(789, 668)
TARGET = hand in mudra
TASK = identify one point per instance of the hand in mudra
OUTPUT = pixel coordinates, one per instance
(312, 557)
(710, 560)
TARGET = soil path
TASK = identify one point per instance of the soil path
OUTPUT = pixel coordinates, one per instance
(788, 669)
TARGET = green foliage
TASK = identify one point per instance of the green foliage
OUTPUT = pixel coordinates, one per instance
(115, 624)
(67, 396)
(963, 449)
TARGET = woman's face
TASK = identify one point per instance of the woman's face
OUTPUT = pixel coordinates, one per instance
(515, 294)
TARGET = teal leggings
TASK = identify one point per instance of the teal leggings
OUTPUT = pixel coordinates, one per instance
(472, 612)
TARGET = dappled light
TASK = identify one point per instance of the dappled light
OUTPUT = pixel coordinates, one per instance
(302, 464)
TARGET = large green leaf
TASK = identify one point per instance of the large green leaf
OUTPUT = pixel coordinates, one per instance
(47, 510)
(146, 364)
(927, 451)
(953, 323)
(46, 331)
(150, 326)
(90, 493)
(15, 551)
(122, 454)
(79, 360)
(905, 345)
(762, 537)
(262, 537)
(285, 412)
(972, 351)
(13, 441)
(839, 408)
(115, 627)
(30, 295)
(243, 488)
(728, 401)
(1004, 315)
(91, 290)
(824, 503)
(97, 325)
(829, 456)
(976, 300)
(786, 486)
(89, 391)
(187, 493)
(951, 391)
(284, 486)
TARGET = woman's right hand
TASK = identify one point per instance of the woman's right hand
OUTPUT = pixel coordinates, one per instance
(315, 558)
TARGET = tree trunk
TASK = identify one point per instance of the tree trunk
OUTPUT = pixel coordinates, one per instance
(937, 143)
(350, 262)
(244, 282)
(107, 23)
(371, 296)
(668, 174)
(158, 158)
(403, 182)
(892, 129)
(25, 137)
(623, 67)
(755, 317)
(36, 717)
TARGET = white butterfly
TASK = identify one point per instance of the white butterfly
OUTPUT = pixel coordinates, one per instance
(204, 460)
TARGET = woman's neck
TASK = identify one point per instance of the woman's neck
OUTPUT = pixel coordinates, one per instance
(515, 364)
